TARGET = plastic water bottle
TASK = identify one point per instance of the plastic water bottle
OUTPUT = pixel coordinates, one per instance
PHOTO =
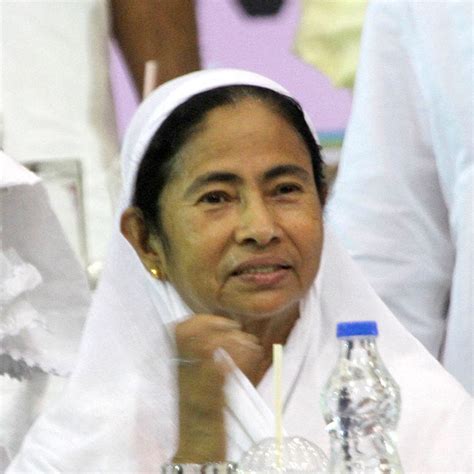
(361, 405)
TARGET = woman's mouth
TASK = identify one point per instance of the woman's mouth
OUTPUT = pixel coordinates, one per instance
(257, 269)
(262, 273)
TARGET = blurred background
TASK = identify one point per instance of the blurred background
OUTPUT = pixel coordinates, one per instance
(231, 37)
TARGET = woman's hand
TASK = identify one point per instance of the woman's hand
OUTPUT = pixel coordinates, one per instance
(201, 381)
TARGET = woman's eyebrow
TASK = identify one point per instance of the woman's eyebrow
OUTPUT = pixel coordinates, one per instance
(229, 177)
(282, 170)
(212, 177)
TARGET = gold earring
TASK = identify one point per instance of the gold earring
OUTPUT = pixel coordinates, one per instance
(156, 273)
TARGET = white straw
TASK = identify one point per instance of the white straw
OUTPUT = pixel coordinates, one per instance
(277, 368)
(150, 80)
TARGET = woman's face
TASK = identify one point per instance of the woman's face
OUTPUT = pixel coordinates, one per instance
(241, 216)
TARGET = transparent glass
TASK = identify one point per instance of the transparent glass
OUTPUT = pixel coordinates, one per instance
(296, 455)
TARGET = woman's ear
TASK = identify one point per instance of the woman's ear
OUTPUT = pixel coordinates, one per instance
(145, 244)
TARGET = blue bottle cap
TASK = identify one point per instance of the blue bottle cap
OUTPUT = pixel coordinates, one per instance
(357, 328)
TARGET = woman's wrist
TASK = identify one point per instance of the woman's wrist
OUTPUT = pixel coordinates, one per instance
(201, 418)
(201, 446)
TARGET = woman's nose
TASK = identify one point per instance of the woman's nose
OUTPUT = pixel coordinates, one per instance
(257, 224)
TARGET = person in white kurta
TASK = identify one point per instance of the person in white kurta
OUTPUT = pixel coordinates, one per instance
(403, 200)
(120, 410)
(57, 101)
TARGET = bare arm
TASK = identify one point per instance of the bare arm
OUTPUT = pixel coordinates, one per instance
(164, 30)
(202, 436)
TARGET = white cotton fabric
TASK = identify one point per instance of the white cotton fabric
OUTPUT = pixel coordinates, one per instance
(44, 295)
(56, 101)
(44, 298)
(119, 413)
(403, 200)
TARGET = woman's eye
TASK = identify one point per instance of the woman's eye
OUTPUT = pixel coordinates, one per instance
(288, 188)
(215, 197)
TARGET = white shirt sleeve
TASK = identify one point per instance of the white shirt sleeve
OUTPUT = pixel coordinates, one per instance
(393, 201)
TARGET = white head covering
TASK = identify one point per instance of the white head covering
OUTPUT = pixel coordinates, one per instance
(120, 410)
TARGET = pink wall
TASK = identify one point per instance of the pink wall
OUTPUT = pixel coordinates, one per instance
(230, 39)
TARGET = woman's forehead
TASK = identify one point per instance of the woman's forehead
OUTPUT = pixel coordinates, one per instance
(245, 124)
(247, 136)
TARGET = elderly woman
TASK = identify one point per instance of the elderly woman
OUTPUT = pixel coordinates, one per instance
(225, 256)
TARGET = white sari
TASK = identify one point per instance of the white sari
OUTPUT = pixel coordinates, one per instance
(120, 410)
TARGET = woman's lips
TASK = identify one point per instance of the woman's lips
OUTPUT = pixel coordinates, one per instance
(262, 272)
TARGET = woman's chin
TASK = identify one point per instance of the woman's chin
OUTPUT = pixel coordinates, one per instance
(264, 311)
